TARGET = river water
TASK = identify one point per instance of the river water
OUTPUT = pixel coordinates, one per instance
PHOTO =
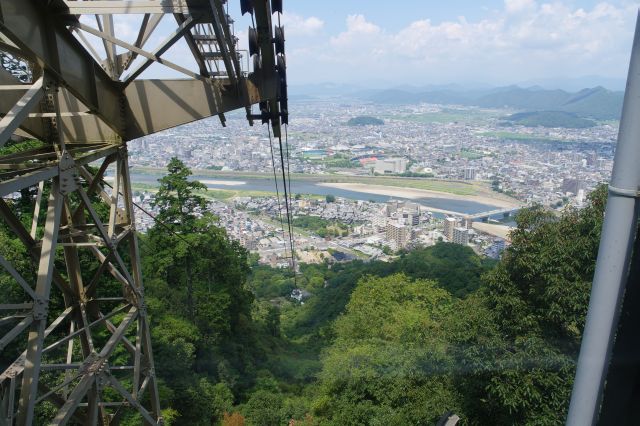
(306, 187)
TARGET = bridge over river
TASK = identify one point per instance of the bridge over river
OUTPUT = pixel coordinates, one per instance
(484, 216)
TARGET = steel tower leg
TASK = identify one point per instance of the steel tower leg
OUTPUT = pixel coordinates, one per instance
(612, 267)
(80, 302)
(79, 249)
(77, 375)
(32, 365)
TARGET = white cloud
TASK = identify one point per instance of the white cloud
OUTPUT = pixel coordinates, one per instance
(518, 6)
(296, 25)
(526, 39)
(358, 30)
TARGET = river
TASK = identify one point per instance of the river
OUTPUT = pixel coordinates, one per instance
(306, 187)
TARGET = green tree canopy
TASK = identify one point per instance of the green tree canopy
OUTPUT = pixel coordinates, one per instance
(177, 199)
(388, 363)
(518, 338)
(195, 279)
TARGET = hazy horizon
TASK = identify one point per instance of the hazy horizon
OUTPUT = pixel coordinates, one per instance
(567, 84)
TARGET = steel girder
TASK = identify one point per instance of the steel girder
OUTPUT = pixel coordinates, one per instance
(68, 358)
(74, 314)
(42, 32)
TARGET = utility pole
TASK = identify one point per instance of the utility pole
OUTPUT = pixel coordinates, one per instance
(611, 278)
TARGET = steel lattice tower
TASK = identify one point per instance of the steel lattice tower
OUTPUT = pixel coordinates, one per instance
(57, 88)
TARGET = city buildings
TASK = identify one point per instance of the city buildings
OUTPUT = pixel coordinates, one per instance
(461, 235)
(390, 166)
(470, 173)
(398, 235)
(560, 168)
(496, 248)
(450, 224)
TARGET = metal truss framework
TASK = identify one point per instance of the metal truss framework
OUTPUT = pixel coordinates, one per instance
(84, 348)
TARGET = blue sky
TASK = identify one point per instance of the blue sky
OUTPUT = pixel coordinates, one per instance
(392, 15)
(396, 15)
(457, 41)
(375, 43)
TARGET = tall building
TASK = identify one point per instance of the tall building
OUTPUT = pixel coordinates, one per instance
(461, 235)
(572, 186)
(411, 218)
(398, 235)
(601, 163)
(499, 244)
(404, 212)
(391, 207)
(449, 225)
(380, 222)
(470, 173)
(411, 207)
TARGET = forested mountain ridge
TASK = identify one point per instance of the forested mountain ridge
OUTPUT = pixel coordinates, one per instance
(549, 119)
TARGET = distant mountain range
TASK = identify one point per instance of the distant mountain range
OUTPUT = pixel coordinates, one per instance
(597, 103)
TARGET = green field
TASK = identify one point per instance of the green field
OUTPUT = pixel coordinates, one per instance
(448, 116)
(452, 187)
(340, 161)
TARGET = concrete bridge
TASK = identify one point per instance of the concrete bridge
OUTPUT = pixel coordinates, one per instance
(484, 216)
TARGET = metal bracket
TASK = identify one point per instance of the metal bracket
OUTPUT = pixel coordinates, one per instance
(142, 307)
(68, 173)
(265, 116)
(40, 309)
(101, 381)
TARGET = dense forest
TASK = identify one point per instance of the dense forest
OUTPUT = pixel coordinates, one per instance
(437, 330)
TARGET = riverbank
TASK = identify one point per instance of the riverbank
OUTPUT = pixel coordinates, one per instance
(438, 196)
(223, 182)
(414, 193)
(457, 187)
